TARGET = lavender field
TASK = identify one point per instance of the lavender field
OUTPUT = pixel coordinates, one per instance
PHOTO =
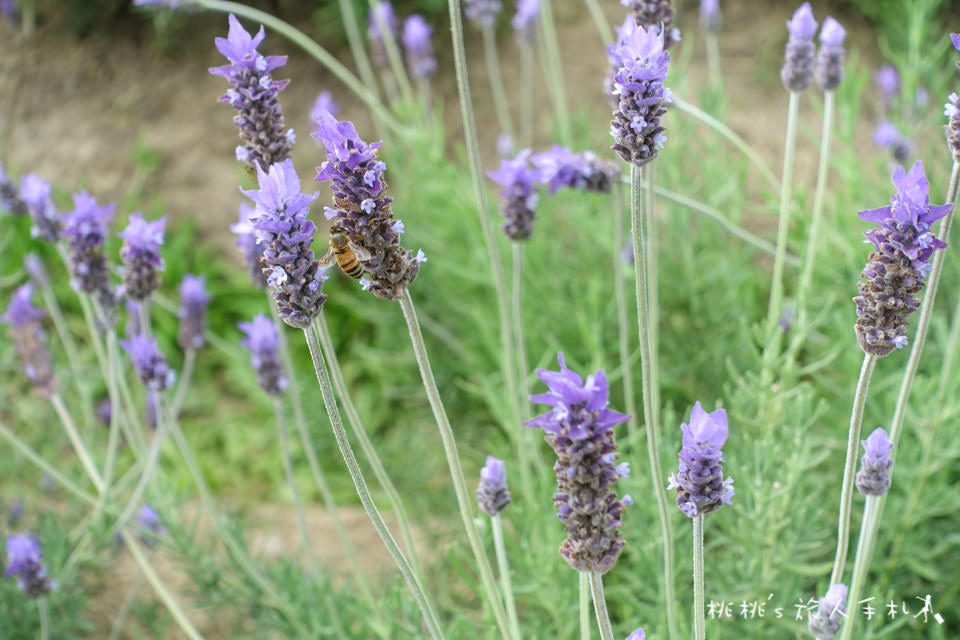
(479, 319)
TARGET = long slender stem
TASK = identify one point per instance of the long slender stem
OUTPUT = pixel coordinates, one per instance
(713, 58)
(393, 52)
(143, 312)
(44, 614)
(806, 276)
(558, 92)
(583, 582)
(78, 446)
(189, 360)
(503, 566)
(66, 338)
(453, 461)
(292, 483)
(149, 470)
(776, 283)
(366, 445)
(496, 82)
(653, 297)
(357, 48)
(950, 352)
(493, 251)
(330, 402)
(113, 439)
(600, 606)
(525, 91)
(651, 420)
(861, 563)
(699, 621)
(320, 54)
(849, 467)
(600, 20)
(528, 442)
(620, 288)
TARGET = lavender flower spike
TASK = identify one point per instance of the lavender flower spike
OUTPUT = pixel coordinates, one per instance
(363, 210)
(655, 14)
(35, 192)
(323, 102)
(10, 196)
(797, 69)
(483, 13)
(524, 22)
(519, 195)
(903, 245)
(492, 494)
(87, 228)
(25, 560)
(247, 243)
(825, 622)
(829, 65)
(140, 253)
(149, 522)
(952, 111)
(873, 479)
(701, 487)
(559, 167)
(149, 362)
(416, 41)
(642, 98)
(193, 308)
(637, 634)
(383, 13)
(262, 341)
(29, 340)
(254, 96)
(282, 227)
(580, 430)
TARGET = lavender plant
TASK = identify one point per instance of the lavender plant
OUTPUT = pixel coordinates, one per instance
(87, 227)
(35, 193)
(141, 258)
(29, 339)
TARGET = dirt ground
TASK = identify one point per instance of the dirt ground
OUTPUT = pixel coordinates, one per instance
(74, 110)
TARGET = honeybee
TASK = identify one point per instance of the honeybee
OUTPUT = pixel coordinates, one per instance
(348, 255)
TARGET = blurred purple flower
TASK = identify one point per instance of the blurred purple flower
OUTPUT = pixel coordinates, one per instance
(580, 430)
(247, 243)
(87, 228)
(483, 13)
(10, 195)
(825, 622)
(141, 258)
(699, 482)
(381, 13)
(524, 22)
(888, 81)
(263, 342)
(150, 529)
(710, 20)
(888, 136)
(323, 102)
(254, 96)
(105, 412)
(492, 493)
(519, 195)
(15, 512)
(149, 362)
(559, 167)
(797, 71)
(35, 193)
(637, 634)
(830, 57)
(416, 41)
(193, 308)
(282, 227)
(25, 561)
(29, 340)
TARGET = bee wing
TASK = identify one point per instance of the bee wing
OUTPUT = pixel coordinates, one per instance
(360, 252)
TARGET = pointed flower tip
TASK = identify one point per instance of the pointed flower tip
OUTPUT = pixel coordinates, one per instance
(637, 634)
(832, 33)
(878, 444)
(802, 25)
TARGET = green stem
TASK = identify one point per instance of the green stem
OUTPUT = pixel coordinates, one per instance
(29, 16)
(189, 360)
(950, 352)
(366, 499)
(806, 276)
(149, 470)
(861, 563)
(66, 338)
(393, 52)
(496, 82)
(320, 54)
(699, 622)
(81, 450)
(44, 618)
(527, 440)
(113, 439)
(366, 445)
(713, 58)
(849, 468)
(558, 93)
(453, 461)
(357, 47)
(600, 606)
(503, 566)
(493, 251)
(600, 20)
(776, 284)
(525, 91)
(583, 581)
(651, 419)
(653, 297)
(143, 312)
(626, 369)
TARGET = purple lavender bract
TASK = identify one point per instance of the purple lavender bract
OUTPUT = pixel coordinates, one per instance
(362, 210)
(87, 227)
(873, 479)
(29, 340)
(829, 65)
(642, 70)
(524, 21)
(519, 195)
(141, 256)
(149, 362)
(699, 482)
(10, 196)
(25, 561)
(903, 245)
(580, 430)
(825, 622)
(247, 243)
(254, 96)
(288, 261)
(323, 102)
(654, 14)
(637, 634)
(35, 193)
(492, 493)
(193, 307)
(797, 71)
(559, 167)
(416, 41)
(262, 341)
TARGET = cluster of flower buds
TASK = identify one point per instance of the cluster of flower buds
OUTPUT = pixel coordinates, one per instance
(149, 362)
(263, 342)
(10, 196)
(580, 430)
(35, 193)
(25, 561)
(524, 21)
(29, 340)
(873, 479)
(416, 42)
(952, 110)
(519, 195)
(141, 258)
(87, 227)
(710, 19)
(492, 493)
(699, 482)
(381, 15)
(829, 64)
(483, 13)
(825, 622)
(656, 14)
(797, 71)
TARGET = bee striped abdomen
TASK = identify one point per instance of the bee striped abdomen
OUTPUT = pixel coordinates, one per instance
(348, 261)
